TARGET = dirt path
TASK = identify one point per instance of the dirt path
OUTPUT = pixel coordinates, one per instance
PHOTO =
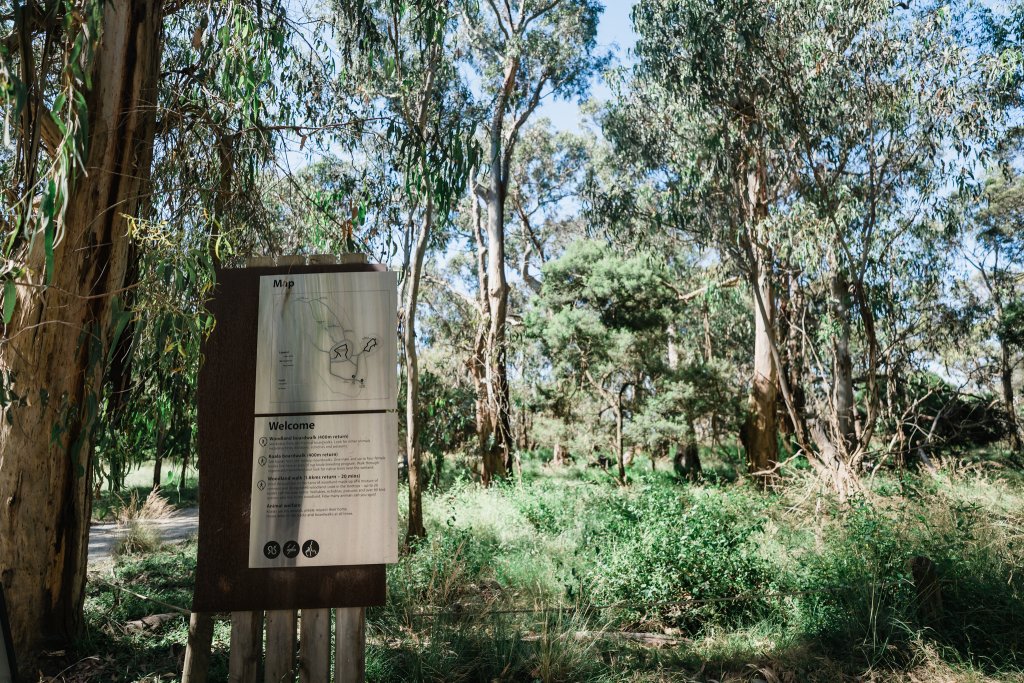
(103, 536)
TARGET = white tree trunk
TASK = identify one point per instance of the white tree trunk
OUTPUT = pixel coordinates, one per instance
(412, 375)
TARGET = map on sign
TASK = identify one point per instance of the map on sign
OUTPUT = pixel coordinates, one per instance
(326, 342)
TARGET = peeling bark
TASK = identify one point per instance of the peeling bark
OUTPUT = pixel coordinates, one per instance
(762, 427)
(761, 432)
(60, 340)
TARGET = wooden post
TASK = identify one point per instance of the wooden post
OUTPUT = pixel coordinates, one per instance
(197, 652)
(315, 646)
(246, 642)
(280, 650)
(350, 645)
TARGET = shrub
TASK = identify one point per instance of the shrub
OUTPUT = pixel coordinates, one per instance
(669, 549)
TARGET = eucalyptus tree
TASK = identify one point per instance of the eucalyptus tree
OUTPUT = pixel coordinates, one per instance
(110, 104)
(700, 110)
(995, 251)
(800, 137)
(521, 54)
(871, 167)
(404, 64)
(79, 90)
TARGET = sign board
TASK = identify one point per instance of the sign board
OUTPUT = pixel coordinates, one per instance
(323, 490)
(298, 470)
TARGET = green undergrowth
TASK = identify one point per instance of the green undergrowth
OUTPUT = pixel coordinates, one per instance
(554, 578)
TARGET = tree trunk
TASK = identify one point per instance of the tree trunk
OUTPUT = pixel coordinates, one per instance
(829, 463)
(184, 473)
(673, 347)
(158, 458)
(687, 460)
(497, 295)
(491, 464)
(761, 432)
(842, 382)
(61, 337)
(412, 377)
(791, 310)
(686, 463)
(157, 466)
(1006, 376)
(558, 455)
(620, 458)
(709, 349)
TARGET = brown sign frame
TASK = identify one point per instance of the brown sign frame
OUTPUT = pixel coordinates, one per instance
(227, 389)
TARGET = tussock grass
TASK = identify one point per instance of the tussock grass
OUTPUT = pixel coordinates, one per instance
(136, 534)
(827, 591)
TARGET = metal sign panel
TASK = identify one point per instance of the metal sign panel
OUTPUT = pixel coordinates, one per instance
(323, 490)
(327, 343)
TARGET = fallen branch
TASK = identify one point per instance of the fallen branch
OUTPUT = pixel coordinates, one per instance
(659, 639)
(151, 622)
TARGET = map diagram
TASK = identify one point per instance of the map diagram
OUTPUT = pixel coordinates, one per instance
(346, 351)
(326, 343)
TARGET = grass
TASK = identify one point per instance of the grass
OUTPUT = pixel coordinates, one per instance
(824, 591)
(139, 482)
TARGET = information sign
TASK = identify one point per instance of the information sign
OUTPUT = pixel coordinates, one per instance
(323, 490)
(279, 367)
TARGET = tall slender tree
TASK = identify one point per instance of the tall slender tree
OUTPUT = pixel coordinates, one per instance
(85, 86)
(522, 55)
(407, 67)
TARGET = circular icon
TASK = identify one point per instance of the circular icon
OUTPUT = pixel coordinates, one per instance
(311, 548)
(263, 460)
(261, 484)
(263, 441)
(272, 549)
(291, 549)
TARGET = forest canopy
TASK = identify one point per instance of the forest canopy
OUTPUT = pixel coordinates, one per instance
(782, 236)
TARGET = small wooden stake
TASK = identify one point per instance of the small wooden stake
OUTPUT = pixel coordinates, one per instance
(315, 646)
(246, 642)
(350, 645)
(197, 653)
(280, 662)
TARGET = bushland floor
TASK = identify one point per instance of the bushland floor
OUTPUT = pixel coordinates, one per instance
(564, 576)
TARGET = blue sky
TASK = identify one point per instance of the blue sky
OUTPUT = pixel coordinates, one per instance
(615, 33)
